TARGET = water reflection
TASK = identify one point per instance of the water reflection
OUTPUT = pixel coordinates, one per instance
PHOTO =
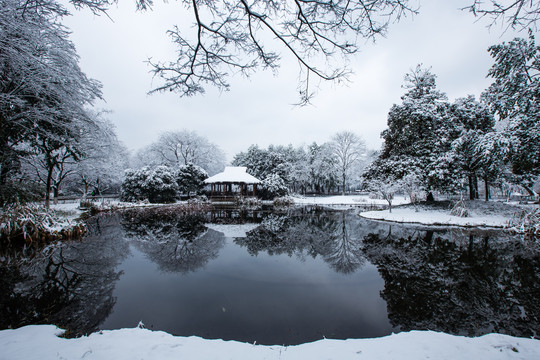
(468, 283)
(255, 284)
(175, 242)
(310, 232)
(68, 284)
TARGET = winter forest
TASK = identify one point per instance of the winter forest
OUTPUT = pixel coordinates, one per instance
(55, 143)
(65, 173)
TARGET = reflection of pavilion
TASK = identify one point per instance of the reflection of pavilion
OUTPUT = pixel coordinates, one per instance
(233, 181)
(234, 215)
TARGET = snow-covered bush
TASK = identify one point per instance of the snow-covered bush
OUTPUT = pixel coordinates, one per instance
(459, 209)
(273, 186)
(132, 188)
(190, 179)
(283, 201)
(161, 185)
(158, 185)
(526, 222)
(385, 189)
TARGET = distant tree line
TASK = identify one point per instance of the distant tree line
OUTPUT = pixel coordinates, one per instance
(334, 166)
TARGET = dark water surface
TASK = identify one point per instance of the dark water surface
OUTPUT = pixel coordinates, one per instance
(274, 277)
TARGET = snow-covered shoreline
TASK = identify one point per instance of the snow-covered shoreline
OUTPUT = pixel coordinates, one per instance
(437, 218)
(480, 214)
(41, 342)
(354, 200)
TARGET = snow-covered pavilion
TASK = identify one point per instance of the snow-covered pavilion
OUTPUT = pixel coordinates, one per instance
(234, 180)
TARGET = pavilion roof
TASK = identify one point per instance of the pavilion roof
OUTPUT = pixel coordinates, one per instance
(233, 174)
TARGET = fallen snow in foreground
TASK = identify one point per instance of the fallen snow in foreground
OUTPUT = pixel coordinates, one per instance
(358, 200)
(437, 217)
(40, 342)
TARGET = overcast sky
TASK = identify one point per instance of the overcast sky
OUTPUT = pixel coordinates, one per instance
(259, 110)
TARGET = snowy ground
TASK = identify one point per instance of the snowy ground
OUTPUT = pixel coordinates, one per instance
(41, 343)
(481, 214)
(357, 200)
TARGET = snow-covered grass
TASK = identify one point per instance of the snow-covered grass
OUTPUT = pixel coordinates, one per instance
(34, 223)
(355, 200)
(41, 342)
(479, 214)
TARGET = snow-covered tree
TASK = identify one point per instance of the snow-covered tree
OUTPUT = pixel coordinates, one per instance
(273, 186)
(473, 120)
(263, 162)
(385, 189)
(42, 89)
(348, 149)
(161, 186)
(190, 179)
(177, 148)
(132, 188)
(515, 98)
(323, 173)
(157, 185)
(419, 136)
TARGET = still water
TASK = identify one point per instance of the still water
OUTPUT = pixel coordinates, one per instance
(274, 277)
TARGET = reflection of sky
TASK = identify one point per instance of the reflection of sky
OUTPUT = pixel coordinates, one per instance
(269, 299)
(233, 230)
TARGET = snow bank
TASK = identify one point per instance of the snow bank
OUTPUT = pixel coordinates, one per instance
(357, 200)
(41, 342)
(437, 217)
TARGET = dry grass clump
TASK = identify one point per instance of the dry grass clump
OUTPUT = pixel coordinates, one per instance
(34, 223)
(526, 222)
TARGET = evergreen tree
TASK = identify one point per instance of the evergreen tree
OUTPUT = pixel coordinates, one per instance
(190, 179)
(515, 98)
(419, 136)
(473, 120)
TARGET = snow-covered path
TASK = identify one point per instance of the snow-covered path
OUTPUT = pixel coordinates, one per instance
(41, 343)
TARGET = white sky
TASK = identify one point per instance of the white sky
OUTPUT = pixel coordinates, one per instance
(259, 110)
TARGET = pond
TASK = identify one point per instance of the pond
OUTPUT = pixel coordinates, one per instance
(274, 277)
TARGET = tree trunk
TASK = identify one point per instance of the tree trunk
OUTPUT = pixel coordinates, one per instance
(473, 187)
(486, 186)
(48, 187)
(529, 191)
(56, 190)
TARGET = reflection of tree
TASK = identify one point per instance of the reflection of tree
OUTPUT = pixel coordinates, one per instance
(473, 286)
(346, 254)
(176, 242)
(69, 284)
(310, 232)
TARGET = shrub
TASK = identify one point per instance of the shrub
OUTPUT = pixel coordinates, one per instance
(283, 201)
(526, 222)
(158, 185)
(161, 185)
(459, 209)
(273, 186)
(190, 179)
(132, 188)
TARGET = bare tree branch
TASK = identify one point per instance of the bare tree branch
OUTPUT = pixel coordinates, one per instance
(517, 14)
(232, 35)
